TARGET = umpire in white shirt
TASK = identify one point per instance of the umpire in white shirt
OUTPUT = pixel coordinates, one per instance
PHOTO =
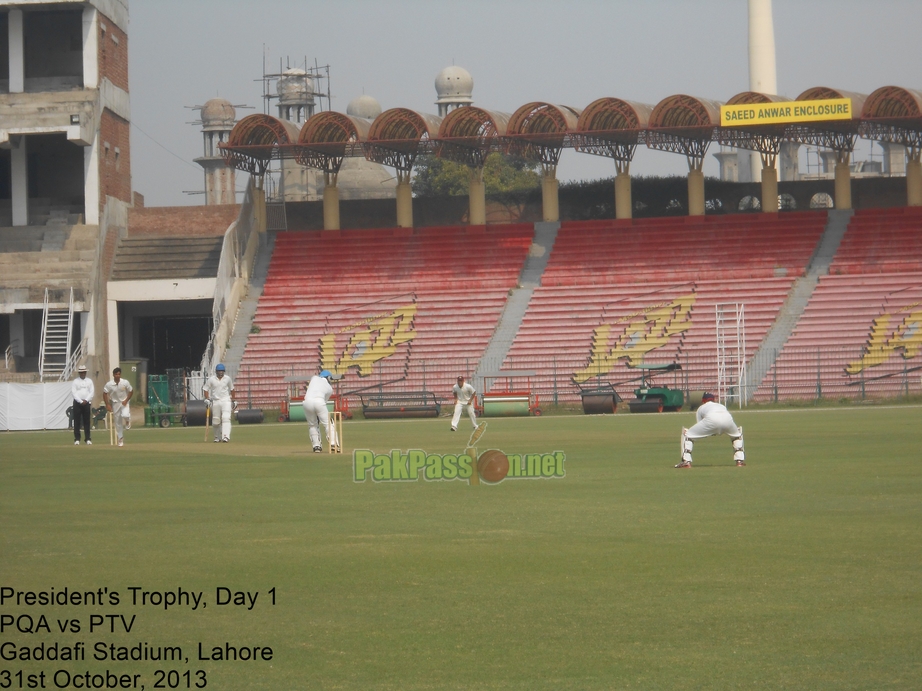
(83, 391)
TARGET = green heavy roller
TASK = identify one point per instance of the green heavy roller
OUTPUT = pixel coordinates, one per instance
(656, 399)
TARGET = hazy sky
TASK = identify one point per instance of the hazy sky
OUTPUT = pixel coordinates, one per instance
(184, 52)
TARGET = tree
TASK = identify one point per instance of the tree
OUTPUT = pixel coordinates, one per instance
(436, 177)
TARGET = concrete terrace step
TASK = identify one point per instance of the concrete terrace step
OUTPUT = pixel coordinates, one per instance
(147, 258)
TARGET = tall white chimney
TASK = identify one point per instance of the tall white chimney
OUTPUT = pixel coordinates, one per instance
(763, 72)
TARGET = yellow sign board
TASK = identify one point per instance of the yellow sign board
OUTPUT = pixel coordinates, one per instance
(785, 112)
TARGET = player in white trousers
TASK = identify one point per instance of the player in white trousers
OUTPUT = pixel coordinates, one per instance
(713, 419)
(219, 389)
(117, 394)
(464, 400)
(318, 393)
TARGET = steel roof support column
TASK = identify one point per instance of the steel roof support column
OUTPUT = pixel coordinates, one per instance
(914, 176)
(623, 202)
(843, 180)
(550, 198)
(404, 200)
(696, 205)
(769, 182)
(477, 199)
(330, 202)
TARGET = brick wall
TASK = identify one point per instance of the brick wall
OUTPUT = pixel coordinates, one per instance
(114, 158)
(163, 221)
(113, 53)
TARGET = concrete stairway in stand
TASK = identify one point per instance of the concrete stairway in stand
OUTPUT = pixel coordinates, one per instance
(517, 303)
(245, 315)
(760, 364)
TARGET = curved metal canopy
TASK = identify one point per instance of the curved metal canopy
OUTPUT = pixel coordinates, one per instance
(399, 135)
(256, 140)
(611, 127)
(766, 139)
(328, 137)
(893, 114)
(468, 135)
(838, 135)
(538, 131)
(683, 124)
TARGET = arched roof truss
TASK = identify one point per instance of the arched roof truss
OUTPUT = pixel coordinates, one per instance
(766, 139)
(399, 135)
(684, 125)
(538, 131)
(469, 134)
(611, 127)
(328, 137)
(838, 135)
(893, 114)
(256, 140)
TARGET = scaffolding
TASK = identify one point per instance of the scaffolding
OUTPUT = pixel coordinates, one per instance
(730, 322)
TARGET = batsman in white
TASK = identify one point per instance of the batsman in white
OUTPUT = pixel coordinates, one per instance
(464, 399)
(219, 390)
(117, 394)
(713, 419)
(318, 393)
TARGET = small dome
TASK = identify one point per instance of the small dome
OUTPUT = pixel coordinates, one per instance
(218, 113)
(364, 107)
(295, 87)
(454, 84)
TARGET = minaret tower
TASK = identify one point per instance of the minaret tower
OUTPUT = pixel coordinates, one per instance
(763, 74)
(218, 118)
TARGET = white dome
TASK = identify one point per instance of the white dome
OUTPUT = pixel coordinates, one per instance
(295, 87)
(364, 107)
(218, 113)
(454, 84)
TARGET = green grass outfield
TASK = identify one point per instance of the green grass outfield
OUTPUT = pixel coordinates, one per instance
(802, 570)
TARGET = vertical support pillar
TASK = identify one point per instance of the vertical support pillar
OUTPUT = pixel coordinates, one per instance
(549, 194)
(330, 204)
(17, 54)
(623, 202)
(259, 205)
(843, 181)
(90, 48)
(695, 192)
(477, 199)
(20, 176)
(769, 189)
(914, 180)
(404, 200)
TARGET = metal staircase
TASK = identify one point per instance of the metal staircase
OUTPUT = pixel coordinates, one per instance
(57, 330)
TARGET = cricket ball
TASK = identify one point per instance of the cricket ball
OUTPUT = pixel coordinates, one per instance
(492, 466)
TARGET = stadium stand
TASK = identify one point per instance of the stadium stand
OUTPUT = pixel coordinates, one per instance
(432, 296)
(656, 283)
(863, 324)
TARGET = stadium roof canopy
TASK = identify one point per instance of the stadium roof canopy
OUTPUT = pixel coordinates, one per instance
(684, 124)
(893, 114)
(399, 135)
(469, 134)
(538, 131)
(608, 127)
(256, 140)
(612, 127)
(328, 137)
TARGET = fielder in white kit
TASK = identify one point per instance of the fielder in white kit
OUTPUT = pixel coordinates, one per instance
(117, 394)
(219, 389)
(713, 419)
(464, 399)
(318, 393)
